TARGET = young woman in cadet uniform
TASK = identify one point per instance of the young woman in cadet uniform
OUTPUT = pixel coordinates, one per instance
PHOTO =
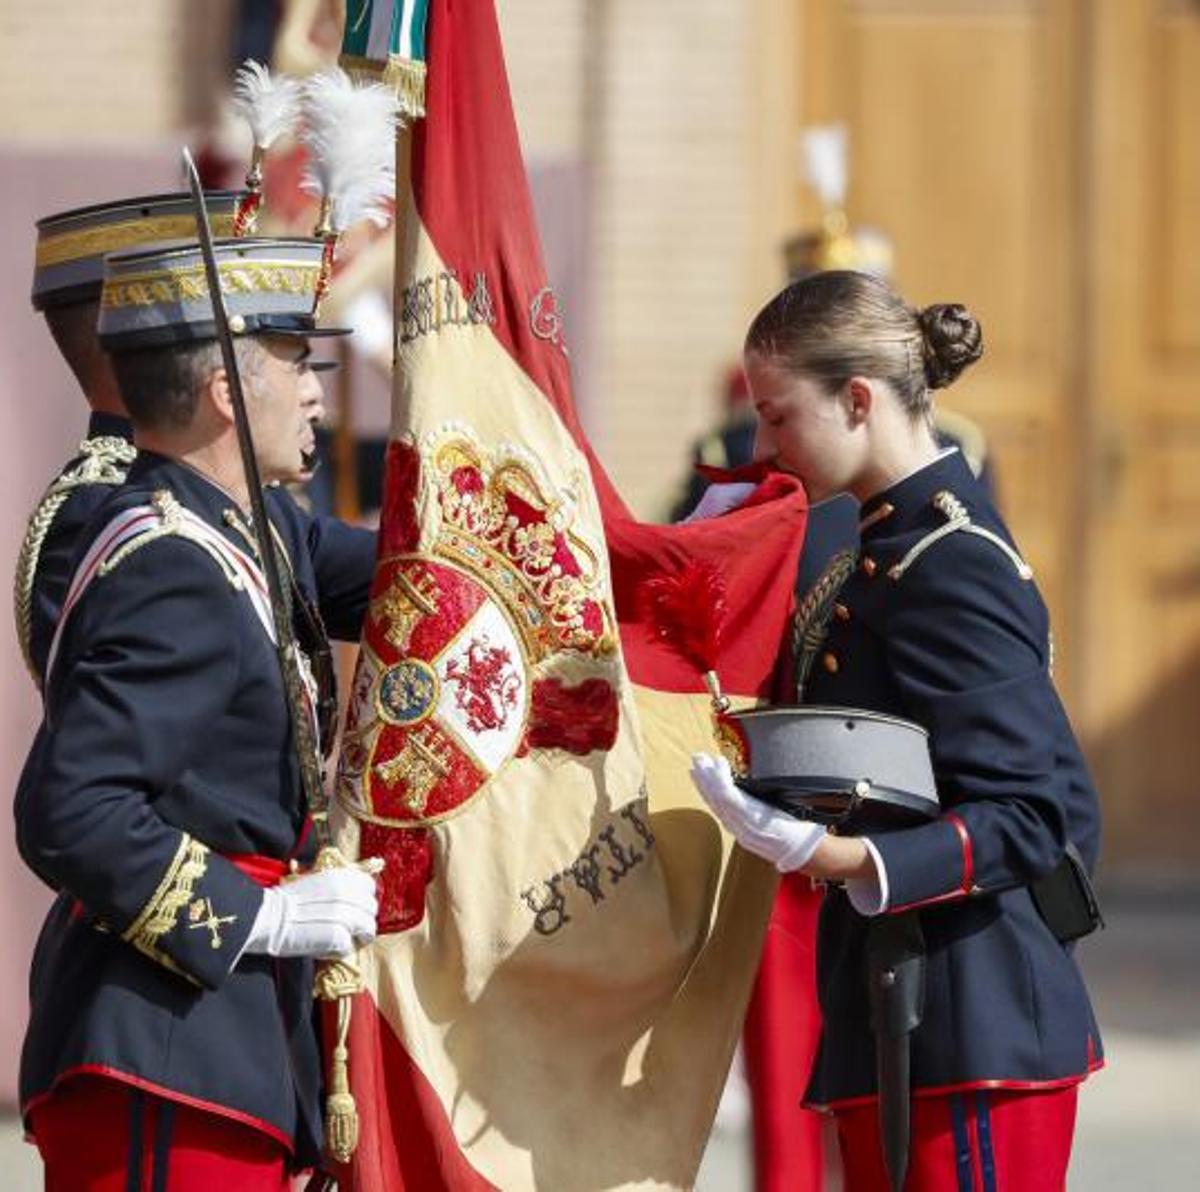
(939, 622)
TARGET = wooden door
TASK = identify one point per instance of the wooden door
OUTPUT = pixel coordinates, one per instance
(1040, 161)
(961, 116)
(1141, 699)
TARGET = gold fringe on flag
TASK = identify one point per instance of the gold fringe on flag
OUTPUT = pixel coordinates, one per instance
(406, 76)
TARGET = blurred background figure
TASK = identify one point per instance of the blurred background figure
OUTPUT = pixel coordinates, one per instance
(300, 38)
(730, 444)
(833, 244)
(1036, 160)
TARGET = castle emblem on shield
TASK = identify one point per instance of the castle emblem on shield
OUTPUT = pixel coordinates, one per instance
(454, 635)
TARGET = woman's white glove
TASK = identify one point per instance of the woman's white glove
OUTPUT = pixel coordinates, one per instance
(773, 835)
(327, 913)
(720, 498)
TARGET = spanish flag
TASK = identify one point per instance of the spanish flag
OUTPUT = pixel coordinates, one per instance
(567, 942)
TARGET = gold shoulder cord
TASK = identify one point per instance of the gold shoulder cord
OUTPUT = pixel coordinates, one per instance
(106, 460)
(234, 522)
(957, 519)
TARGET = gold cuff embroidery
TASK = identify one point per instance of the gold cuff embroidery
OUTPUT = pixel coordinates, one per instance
(201, 916)
(174, 892)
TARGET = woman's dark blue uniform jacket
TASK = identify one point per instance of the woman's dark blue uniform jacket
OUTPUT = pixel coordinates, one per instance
(956, 638)
(166, 750)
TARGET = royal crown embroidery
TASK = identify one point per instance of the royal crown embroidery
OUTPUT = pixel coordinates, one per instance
(464, 632)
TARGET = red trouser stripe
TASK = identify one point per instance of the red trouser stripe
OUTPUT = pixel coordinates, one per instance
(978, 1141)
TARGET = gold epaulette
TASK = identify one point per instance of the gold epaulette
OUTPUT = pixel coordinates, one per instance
(139, 525)
(957, 519)
(105, 460)
(175, 522)
(711, 450)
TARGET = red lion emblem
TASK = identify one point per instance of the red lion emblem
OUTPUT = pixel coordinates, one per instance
(488, 686)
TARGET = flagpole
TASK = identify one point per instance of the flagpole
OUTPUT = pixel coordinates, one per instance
(346, 504)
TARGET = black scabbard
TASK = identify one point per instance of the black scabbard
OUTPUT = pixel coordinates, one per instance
(896, 991)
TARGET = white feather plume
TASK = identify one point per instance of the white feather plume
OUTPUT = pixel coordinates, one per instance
(350, 131)
(270, 104)
(823, 152)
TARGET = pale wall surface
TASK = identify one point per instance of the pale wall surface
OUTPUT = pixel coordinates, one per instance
(672, 232)
(658, 105)
(107, 70)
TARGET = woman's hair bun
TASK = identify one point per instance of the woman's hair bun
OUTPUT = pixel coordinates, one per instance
(952, 339)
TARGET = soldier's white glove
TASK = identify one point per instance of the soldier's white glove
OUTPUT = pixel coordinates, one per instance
(320, 914)
(773, 835)
(720, 498)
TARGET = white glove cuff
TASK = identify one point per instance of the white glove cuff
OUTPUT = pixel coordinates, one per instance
(266, 923)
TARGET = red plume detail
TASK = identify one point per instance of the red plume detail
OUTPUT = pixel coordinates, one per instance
(686, 609)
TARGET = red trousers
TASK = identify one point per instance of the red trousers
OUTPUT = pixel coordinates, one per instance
(96, 1134)
(783, 1025)
(974, 1141)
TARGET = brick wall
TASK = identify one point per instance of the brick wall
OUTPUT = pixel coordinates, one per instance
(109, 70)
(546, 48)
(654, 98)
(650, 102)
(670, 231)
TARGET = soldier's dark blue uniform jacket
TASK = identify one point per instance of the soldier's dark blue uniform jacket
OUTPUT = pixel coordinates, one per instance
(946, 628)
(167, 751)
(70, 503)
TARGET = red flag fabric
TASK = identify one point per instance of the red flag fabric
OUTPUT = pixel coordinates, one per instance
(783, 1025)
(567, 940)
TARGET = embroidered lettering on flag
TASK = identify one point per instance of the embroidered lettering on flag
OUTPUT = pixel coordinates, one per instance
(567, 942)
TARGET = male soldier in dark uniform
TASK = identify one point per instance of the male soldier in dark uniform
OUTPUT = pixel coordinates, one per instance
(171, 1027)
(68, 269)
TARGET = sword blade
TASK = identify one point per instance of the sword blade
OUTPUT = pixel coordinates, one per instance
(302, 735)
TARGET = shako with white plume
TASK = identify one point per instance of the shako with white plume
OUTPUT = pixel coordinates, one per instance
(350, 132)
(270, 105)
(823, 164)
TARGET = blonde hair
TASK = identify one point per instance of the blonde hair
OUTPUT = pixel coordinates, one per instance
(840, 324)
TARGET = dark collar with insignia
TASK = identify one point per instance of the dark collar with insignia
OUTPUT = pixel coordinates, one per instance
(908, 504)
